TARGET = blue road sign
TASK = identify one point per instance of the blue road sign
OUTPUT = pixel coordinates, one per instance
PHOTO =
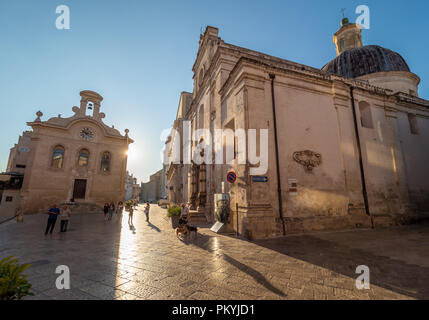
(259, 179)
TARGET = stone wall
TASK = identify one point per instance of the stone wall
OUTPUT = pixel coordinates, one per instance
(44, 185)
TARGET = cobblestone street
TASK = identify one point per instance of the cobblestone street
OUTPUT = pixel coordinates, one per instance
(108, 260)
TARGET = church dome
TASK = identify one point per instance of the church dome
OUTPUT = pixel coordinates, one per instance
(366, 60)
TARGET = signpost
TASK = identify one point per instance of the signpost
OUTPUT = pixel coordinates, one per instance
(259, 179)
(231, 177)
(236, 208)
(293, 187)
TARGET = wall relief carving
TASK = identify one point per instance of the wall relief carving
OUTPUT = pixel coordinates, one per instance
(308, 159)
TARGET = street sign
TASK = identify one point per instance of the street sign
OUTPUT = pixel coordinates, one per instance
(231, 177)
(259, 179)
(293, 187)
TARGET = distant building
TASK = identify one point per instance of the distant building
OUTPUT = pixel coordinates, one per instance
(177, 179)
(155, 188)
(19, 154)
(132, 188)
(77, 158)
(10, 198)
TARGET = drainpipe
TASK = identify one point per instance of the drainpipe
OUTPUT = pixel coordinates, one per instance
(362, 172)
(279, 190)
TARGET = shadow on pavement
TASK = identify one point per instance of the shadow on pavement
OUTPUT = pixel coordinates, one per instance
(205, 242)
(152, 226)
(395, 275)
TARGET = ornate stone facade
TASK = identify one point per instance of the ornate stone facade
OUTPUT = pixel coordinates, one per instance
(77, 158)
(368, 138)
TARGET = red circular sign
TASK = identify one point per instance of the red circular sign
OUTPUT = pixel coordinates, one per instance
(231, 177)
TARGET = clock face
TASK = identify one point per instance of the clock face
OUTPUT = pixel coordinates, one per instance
(86, 134)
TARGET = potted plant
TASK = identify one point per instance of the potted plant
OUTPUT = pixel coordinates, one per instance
(13, 283)
(174, 213)
(128, 205)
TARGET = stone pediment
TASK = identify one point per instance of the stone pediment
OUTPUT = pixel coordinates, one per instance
(90, 101)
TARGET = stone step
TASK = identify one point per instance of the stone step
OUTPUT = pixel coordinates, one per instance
(197, 218)
(86, 208)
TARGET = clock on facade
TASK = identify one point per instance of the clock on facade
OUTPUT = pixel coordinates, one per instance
(86, 134)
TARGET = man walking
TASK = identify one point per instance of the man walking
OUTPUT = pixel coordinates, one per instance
(52, 219)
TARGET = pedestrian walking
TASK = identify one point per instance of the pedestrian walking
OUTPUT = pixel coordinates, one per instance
(65, 216)
(111, 210)
(119, 208)
(52, 218)
(130, 216)
(106, 210)
(19, 215)
(146, 211)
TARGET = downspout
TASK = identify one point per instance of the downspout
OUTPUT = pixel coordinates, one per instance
(362, 172)
(279, 189)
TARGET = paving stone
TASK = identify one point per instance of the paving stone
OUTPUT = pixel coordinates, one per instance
(109, 262)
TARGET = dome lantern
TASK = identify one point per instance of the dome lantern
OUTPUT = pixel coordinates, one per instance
(348, 36)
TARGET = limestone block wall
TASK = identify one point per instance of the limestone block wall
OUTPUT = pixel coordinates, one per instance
(44, 185)
(415, 154)
(9, 202)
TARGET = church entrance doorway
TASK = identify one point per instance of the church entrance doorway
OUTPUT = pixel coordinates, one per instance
(79, 190)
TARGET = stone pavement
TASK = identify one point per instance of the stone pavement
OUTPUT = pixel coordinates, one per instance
(108, 260)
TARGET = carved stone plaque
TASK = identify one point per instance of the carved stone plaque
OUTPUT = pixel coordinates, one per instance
(308, 159)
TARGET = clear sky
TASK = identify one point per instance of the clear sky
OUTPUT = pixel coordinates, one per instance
(139, 54)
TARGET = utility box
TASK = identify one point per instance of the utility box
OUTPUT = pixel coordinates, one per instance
(221, 206)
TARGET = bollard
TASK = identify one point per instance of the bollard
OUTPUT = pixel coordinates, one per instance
(236, 208)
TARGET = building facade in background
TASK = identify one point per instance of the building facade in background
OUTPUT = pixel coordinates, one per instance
(19, 154)
(77, 158)
(156, 188)
(10, 200)
(177, 180)
(347, 144)
(132, 188)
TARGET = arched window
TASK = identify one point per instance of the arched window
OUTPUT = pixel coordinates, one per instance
(83, 158)
(57, 157)
(105, 162)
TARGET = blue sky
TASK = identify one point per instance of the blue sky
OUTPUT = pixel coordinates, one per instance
(138, 54)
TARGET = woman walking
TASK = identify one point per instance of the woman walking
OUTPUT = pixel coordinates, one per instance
(106, 210)
(65, 216)
(111, 210)
(130, 217)
(184, 216)
(146, 211)
(119, 209)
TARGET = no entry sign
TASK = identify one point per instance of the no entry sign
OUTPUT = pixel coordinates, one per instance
(231, 177)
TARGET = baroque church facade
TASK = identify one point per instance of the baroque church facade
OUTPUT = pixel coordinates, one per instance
(347, 144)
(77, 159)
